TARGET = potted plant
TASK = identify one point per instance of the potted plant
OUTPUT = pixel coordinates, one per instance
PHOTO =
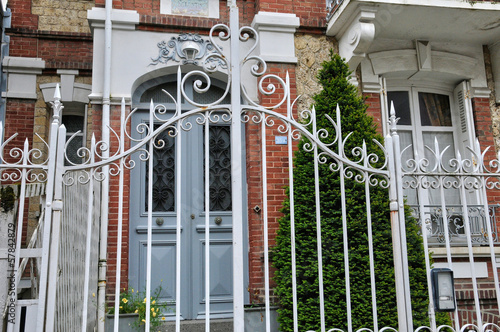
(133, 311)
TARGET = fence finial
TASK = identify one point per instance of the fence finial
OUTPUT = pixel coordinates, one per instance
(392, 119)
(57, 106)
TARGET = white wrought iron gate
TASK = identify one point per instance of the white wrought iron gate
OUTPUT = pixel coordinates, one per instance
(474, 225)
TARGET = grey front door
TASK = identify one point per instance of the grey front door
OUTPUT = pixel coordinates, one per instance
(192, 213)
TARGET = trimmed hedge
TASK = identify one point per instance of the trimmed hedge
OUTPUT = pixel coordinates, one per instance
(337, 90)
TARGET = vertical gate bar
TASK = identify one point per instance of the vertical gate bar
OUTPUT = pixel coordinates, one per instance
(370, 241)
(443, 207)
(465, 211)
(344, 221)
(178, 206)
(292, 210)
(318, 225)
(484, 199)
(265, 216)
(20, 219)
(445, 221)
(57, 206)
(432, 314)
(236, 173)
(120, 216)
(393, 151)
(90, 209)
(207, 222)
(402, 234)
(150, 216)
(51, 170)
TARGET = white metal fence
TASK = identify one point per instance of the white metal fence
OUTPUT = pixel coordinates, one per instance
(72, 266)
(72, 204)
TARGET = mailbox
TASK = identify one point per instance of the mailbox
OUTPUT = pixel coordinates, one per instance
(443, 289)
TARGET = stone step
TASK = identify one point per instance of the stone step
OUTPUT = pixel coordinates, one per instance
(255, 321)
(216, 325)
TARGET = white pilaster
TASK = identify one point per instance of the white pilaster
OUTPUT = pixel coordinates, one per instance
(276, 32)
(21, 76)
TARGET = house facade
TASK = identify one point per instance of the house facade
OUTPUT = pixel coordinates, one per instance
(437, 62)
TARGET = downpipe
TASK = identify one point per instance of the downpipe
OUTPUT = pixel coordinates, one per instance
(103, 236)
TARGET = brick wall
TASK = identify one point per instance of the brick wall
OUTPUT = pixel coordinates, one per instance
(114, 205)
(277, 180)
(483, 126)
(486, 293)
(56, 31)
(151, 19)
(374, 109)
(312, 13)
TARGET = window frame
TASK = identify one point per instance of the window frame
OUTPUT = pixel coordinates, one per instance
(74, 110)
(417, 131)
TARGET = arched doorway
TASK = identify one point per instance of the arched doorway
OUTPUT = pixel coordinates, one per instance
(192, 202)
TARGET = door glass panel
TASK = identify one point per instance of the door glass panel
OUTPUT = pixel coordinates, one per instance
(401, 102)
(220, 168)
(157, 95)
(434, 109)
(163, 175)
(214, 94)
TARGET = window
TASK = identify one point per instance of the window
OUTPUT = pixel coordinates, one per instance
(433, 120)
(425, 117)
(74, 121)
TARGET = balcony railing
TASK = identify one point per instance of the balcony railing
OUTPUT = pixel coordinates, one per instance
(331, 7)
(433, 215)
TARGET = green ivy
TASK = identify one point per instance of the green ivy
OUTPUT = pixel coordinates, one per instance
(7, 198)
(338, 91)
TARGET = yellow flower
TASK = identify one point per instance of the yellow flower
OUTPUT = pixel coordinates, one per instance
(144, 300)
(124, 300)
(153, 309)
(132, 290)
(163, 318)
(136, 311)
(153, 302)
(144, 320)
(154, 314)
(93, 294)
(121, 307)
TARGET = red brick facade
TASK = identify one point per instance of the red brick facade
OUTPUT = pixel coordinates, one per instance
(277, 181)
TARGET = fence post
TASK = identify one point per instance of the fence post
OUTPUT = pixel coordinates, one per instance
(51, 170)
(398, 228)
(236, 171)
(57, 207)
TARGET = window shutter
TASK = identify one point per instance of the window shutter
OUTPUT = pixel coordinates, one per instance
(465, 129)
(465, 132)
